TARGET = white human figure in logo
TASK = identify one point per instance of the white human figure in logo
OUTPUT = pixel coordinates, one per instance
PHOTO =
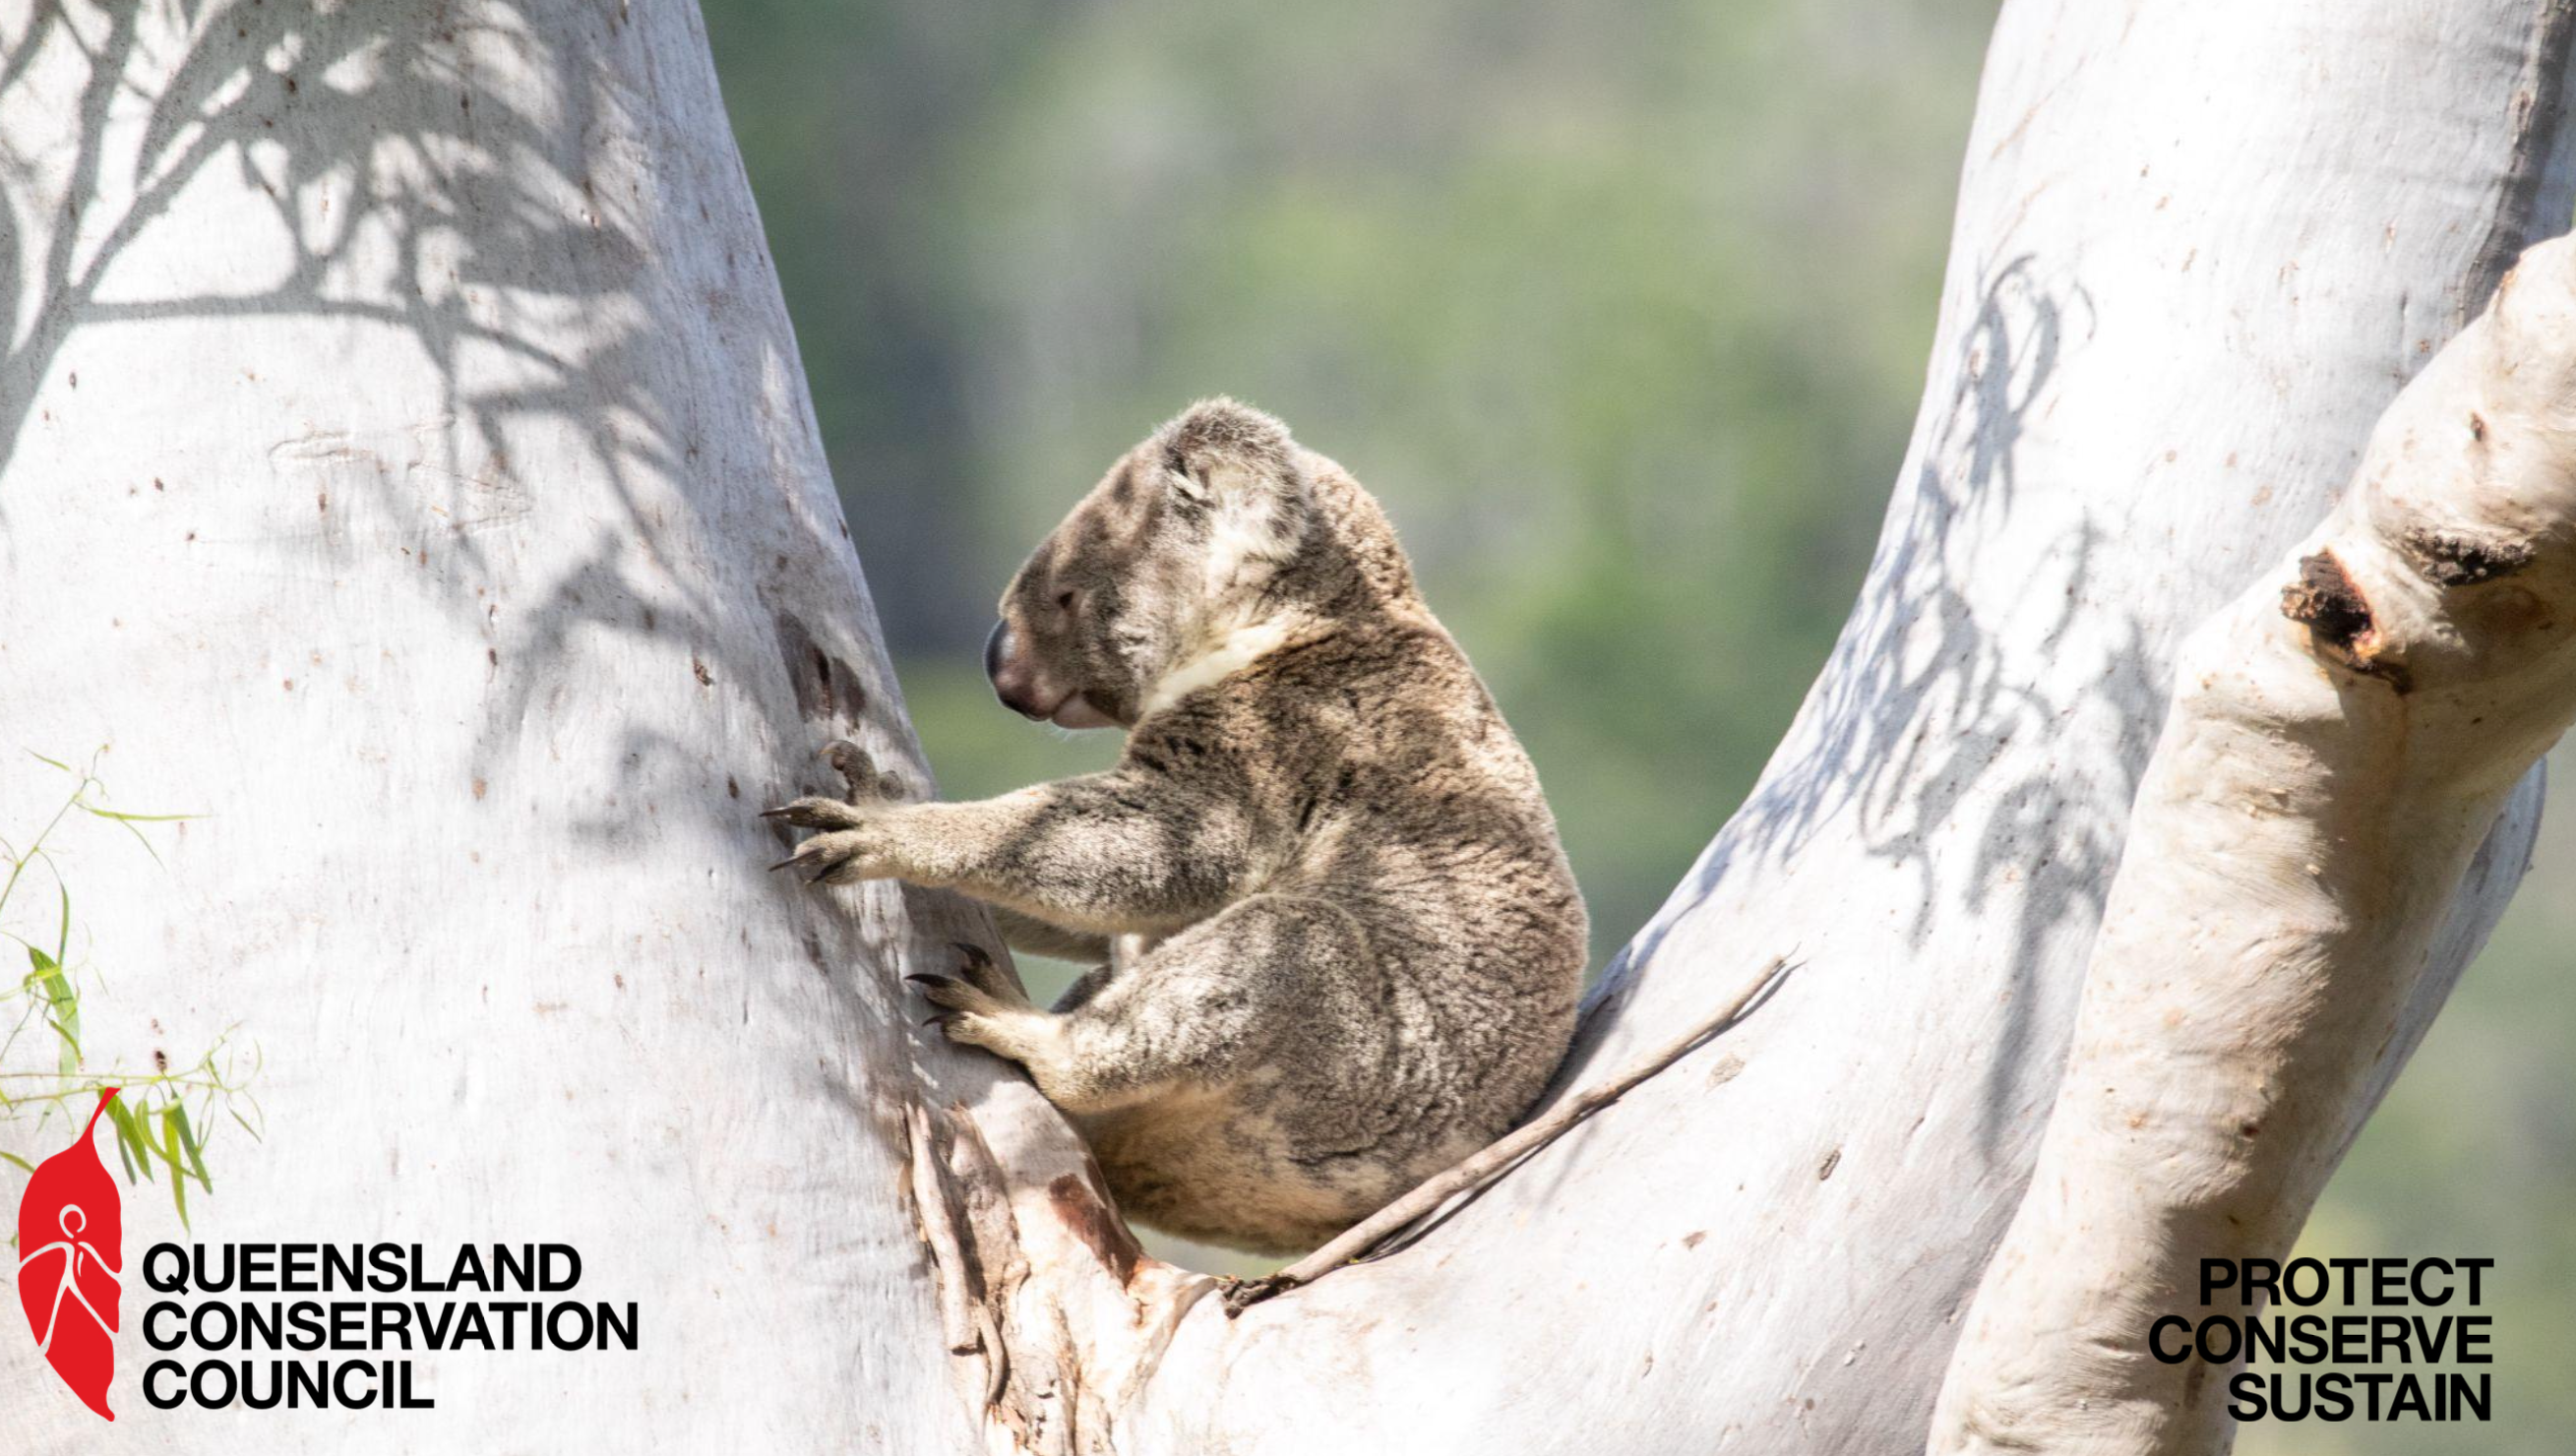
(74, 1249)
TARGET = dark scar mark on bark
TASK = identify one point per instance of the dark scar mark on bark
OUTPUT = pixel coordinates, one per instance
(1099, 1229)
(2327, 602)
(828, 690)
(2338, 618)
(2447, 560)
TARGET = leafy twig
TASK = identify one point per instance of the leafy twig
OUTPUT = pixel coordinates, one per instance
(148, 1129)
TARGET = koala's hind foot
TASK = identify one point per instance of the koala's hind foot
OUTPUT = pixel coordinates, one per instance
(983, 982)
(985, 1008)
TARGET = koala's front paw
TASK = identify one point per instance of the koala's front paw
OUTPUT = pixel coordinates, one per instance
(986, 1009)
(855, 849)
(854, 846)
(865, 780)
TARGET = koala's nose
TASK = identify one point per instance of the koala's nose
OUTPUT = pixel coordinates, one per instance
(997, 650)
(1010, 674)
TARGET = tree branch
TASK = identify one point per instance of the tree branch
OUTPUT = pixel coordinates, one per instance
(2343, 735)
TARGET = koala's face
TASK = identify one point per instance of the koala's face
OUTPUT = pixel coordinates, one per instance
(1102, 604)
(1129, 584)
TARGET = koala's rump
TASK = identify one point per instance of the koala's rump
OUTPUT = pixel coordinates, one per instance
(1328, 1088)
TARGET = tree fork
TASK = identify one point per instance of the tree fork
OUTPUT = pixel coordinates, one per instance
(429, 434)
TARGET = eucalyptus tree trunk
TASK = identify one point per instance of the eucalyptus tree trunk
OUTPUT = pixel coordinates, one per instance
(404, 462)
(408, 470)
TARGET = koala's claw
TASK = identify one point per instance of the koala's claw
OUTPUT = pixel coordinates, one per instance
(985, 976)
(963, 1009)
(948, 991)
(799, 860)
(835, 859)
(980, 1012)
(812, 812)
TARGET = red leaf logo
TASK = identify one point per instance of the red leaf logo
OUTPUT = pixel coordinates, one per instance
(71, 1243)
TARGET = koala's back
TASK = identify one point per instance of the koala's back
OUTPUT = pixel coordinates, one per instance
(1405, 972)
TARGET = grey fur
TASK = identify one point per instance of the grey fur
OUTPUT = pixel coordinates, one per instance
(1354, 944)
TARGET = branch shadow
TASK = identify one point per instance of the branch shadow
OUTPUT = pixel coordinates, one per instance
(461, 174)
(503, 186)
(1921, 697)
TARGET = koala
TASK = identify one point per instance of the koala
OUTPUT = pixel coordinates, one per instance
(1337, 944)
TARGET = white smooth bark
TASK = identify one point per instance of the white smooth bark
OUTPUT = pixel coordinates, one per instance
(2345, 733)
(437, 508)
(408, 468)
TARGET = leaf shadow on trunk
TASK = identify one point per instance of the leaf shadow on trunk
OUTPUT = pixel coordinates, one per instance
(609, 441)
(1927, 687)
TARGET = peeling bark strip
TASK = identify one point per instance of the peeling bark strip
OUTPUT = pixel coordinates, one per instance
(961, 1296)
(1055, 1313)
(2260, 991)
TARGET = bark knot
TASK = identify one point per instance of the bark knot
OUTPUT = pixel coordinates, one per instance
(2448, 559)
(2338, 618)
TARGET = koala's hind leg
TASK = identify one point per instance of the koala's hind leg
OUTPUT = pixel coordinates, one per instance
(1203, 1008)
(1085, 986)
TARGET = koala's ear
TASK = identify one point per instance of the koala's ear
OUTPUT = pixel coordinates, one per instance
(1210, 481)
(1241, 462)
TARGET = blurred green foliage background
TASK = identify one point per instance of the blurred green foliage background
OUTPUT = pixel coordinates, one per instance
(1620, 309)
